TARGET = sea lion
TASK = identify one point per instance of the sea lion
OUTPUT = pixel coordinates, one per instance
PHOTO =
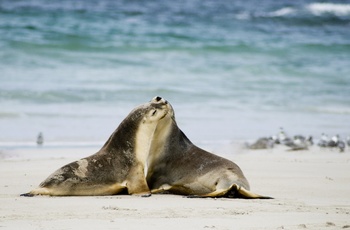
(118, 166)
(177, 166)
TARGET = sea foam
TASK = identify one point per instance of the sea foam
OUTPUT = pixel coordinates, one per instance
(282, 12)
(329, 8)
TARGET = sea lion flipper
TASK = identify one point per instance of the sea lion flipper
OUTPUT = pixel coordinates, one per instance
(136, 182)
(201, 196)
(250, 195)
(237, 191)
(216, 193)
(234, 192)
(146, 195)
(28, 194)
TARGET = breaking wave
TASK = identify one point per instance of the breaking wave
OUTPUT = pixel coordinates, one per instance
(320, 9)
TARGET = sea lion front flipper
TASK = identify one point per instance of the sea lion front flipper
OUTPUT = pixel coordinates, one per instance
(162, 189)
(136, 182)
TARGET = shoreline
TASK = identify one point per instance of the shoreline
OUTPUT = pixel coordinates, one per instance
(224, 148)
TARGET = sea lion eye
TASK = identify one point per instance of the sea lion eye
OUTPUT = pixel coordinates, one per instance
(154, 112)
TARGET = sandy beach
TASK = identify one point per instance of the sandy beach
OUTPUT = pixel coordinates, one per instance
(311, 190)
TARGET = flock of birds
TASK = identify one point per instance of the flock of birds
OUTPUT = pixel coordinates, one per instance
(299, 142)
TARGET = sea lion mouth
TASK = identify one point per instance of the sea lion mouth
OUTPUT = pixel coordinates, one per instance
(165, 113)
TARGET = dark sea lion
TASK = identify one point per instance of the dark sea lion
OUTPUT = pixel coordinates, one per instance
(177, 166)
(119, 166)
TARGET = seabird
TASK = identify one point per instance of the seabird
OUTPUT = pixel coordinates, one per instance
(40, 139)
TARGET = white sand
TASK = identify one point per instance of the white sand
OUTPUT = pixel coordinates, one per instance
(311, 191)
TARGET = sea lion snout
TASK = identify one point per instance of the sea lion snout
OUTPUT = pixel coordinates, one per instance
(159, 99)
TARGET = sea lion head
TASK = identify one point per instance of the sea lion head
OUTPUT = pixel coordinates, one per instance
(162, 132)
(155, 110)
(138, 127)
(169, 109)
(147, 118)
(150, 112)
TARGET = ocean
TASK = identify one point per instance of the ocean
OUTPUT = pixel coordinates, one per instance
(233, 70)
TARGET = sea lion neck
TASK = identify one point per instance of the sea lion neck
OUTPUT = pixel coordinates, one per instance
(169, 137)
(126, 129)
(183, 143)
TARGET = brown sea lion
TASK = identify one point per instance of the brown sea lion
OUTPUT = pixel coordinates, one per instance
(177, 166)
(119, 166)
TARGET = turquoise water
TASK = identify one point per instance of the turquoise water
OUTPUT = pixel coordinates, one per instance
(233, 70)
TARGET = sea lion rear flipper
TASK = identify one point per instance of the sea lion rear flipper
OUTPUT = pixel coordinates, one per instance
(239, 192)
(234, 191)
(28, 194)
